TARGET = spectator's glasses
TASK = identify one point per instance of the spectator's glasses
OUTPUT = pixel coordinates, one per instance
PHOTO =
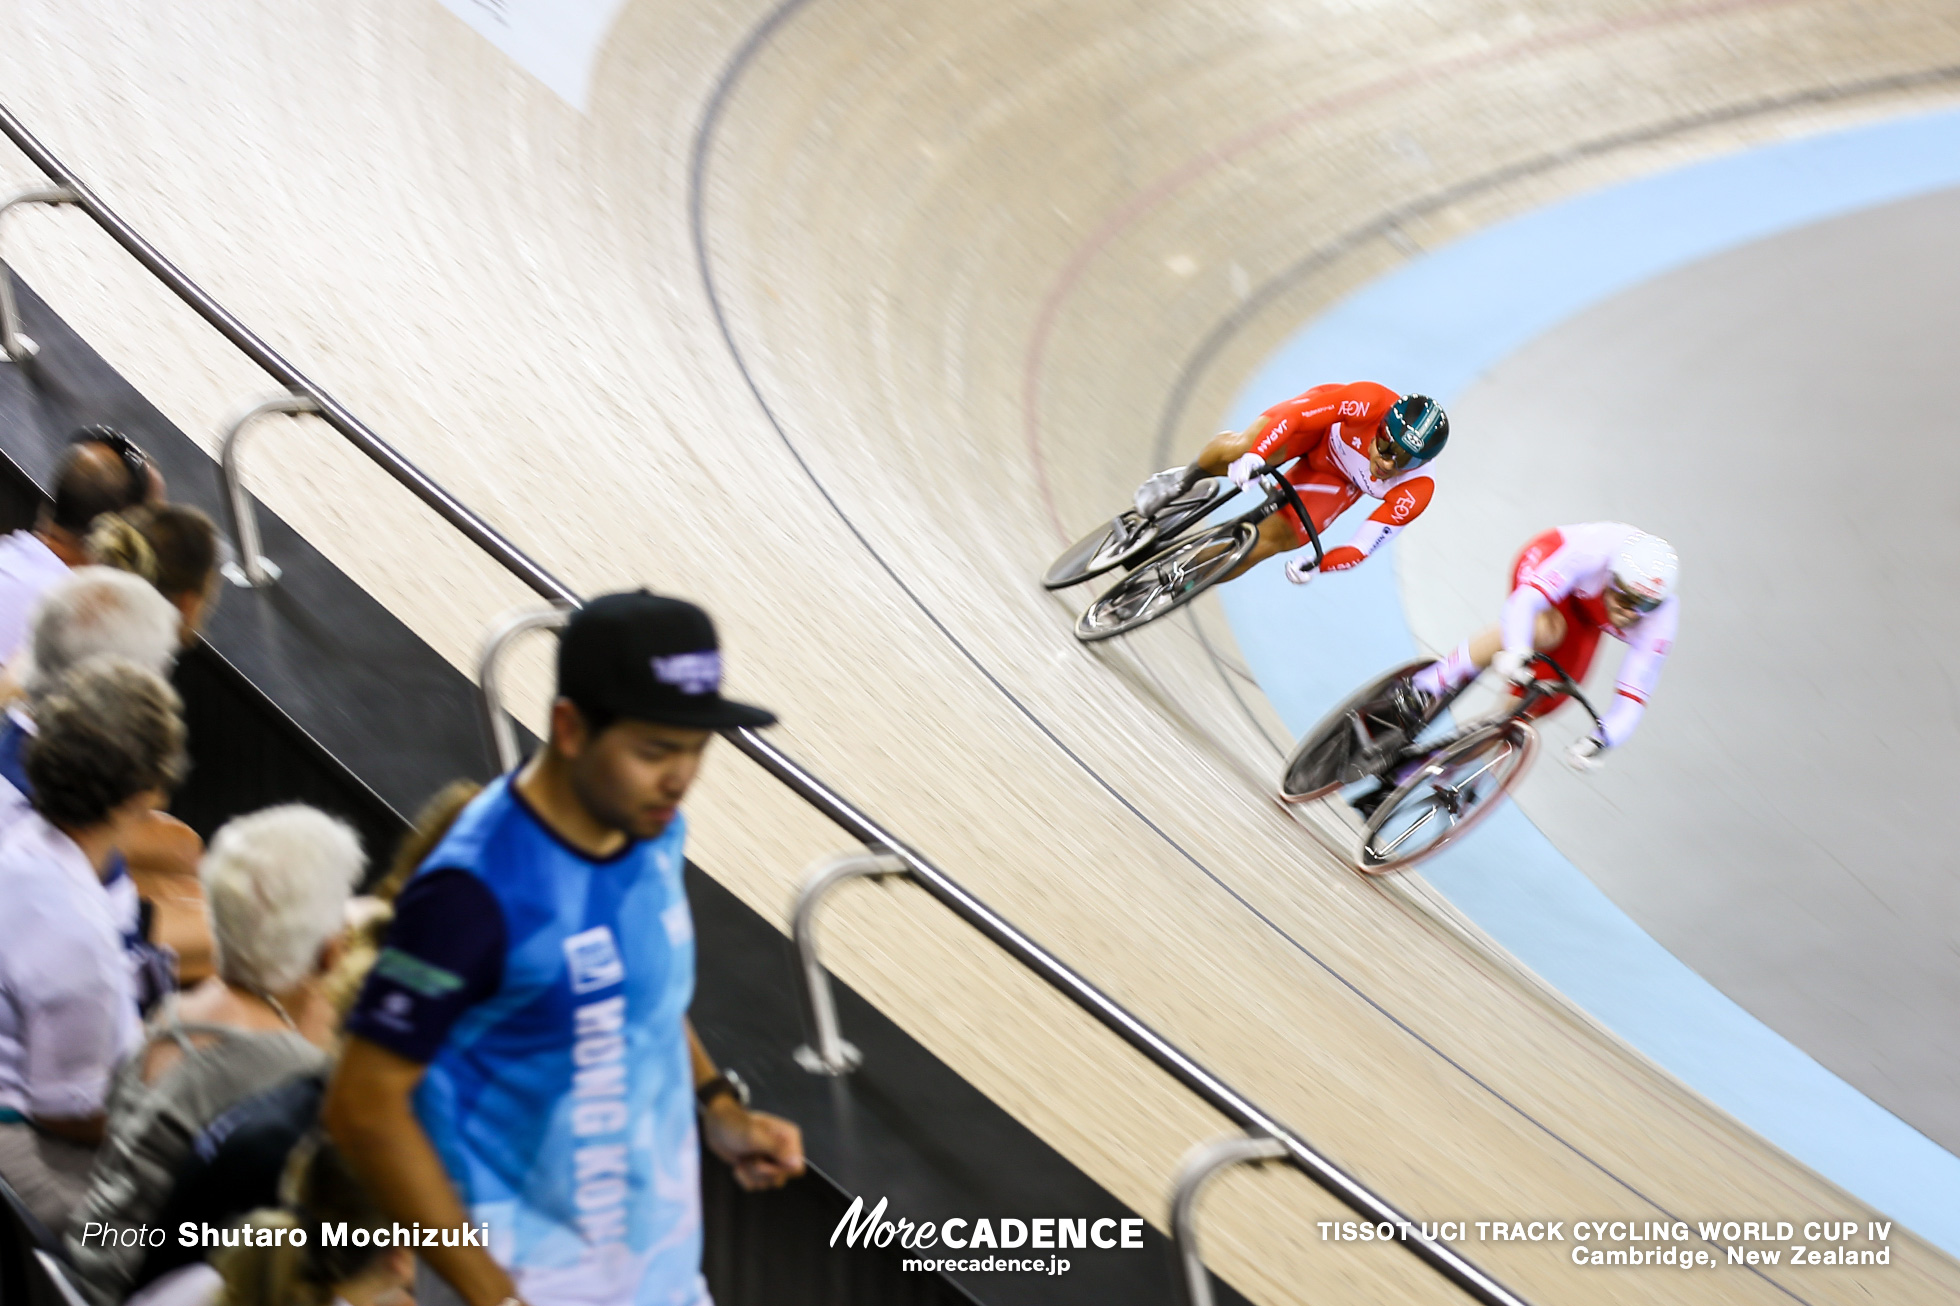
(1639, 603)
(134, 460)
(1390, 452)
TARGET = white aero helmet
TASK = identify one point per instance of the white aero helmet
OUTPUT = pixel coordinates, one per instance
(1644, 570)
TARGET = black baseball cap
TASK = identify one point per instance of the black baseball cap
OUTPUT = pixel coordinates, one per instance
(648, 657)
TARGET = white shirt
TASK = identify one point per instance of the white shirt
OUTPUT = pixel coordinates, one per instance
(14, 805)
(28, 569)
(67, 1014)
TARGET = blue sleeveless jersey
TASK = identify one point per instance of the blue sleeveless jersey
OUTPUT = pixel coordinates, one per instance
(563, 1106)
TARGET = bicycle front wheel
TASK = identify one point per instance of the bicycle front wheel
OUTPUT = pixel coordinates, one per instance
(1168, 580)
(1447, 796)
(1352, 742)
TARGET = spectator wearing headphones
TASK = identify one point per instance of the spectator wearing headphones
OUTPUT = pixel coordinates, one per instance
(103, 471)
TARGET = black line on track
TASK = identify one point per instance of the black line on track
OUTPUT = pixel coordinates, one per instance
(697, 201)
(1225, 671)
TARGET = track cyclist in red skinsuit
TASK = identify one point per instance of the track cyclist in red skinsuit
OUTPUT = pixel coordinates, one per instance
(1351, 440)
(1570, 586)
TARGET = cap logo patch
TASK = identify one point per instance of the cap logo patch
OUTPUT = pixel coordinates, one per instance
(691, 673)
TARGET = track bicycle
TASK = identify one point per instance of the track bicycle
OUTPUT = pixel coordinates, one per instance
(1179, 571)
(1429, 788)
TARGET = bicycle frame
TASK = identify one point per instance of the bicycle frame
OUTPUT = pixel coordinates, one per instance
(1536, 690)
(1292, 500)
(1279, 494)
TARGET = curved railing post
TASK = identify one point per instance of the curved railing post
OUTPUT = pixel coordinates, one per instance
(827, 1053)
(1200, 1164)
(17, 346)
(489, 684)
(252, 568)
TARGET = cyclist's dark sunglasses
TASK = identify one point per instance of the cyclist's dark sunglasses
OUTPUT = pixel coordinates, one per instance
(1634, 601)
(1389, 451)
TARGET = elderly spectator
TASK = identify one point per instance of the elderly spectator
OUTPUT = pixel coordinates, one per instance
(98, 610)
(110, 745)
(547, 937)
(236, 1159)
(171, 545)
(94, 610)
(104, 471)
(278, 883)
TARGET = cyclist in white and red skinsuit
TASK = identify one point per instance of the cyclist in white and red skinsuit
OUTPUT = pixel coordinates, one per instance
(1568, 587)
(1354, 440)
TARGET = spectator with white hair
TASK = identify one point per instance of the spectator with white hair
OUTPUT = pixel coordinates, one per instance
(98, 611)
(277, 884)
(109, 747)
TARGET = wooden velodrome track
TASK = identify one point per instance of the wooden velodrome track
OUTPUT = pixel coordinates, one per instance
(975, 264)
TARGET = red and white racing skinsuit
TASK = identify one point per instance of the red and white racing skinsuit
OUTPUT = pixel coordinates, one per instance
(1330, 429)
(1569, 568)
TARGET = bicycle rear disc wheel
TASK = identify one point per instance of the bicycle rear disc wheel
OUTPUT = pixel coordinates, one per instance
(1130, 536)
(1349, 744)
(1101, 550)
(1452, 791)
(1167, 580)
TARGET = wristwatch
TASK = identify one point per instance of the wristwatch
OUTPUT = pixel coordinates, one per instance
(726, 1081)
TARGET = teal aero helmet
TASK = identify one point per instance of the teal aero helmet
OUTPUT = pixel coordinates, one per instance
(1418, 426)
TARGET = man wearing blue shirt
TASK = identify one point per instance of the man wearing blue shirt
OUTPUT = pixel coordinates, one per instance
(520, 1059)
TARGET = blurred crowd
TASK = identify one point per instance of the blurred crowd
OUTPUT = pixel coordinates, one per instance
(176, 1020)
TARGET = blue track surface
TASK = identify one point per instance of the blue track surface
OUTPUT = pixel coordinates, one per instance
(1436, 325)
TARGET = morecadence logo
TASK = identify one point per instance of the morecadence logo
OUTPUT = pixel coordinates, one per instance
(989, 1234)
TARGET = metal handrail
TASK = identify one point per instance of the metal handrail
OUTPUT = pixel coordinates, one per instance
(1200, 1164)
(827, 1052)
(253, 568)
(330, 410)
(1214, 1091)
(1167, 1056)
(12, 343)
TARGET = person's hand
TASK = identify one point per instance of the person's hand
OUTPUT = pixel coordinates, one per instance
(1586, 755)
(1301, 571)
(1514, 667)
(1243, 468)
(766, 1151)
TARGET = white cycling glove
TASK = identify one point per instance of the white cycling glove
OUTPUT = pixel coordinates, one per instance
(1586, 755)
(1243, 467)
(1514, 667)
(1301, 570)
